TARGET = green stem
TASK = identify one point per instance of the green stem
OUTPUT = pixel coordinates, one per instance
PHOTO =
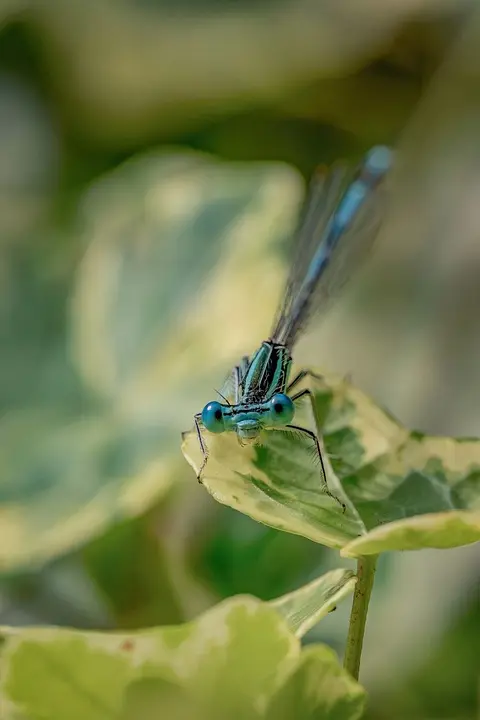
(358, 617)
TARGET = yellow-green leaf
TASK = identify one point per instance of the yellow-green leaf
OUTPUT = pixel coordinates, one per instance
(240, 659)
(402, 490)
(105, 361)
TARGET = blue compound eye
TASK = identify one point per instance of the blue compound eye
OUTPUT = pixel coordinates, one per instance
(212, 417)
(282, 409)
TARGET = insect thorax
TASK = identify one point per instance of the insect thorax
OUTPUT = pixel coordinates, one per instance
(267, 373)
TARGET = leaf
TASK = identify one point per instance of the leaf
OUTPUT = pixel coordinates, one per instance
(130, 566)
(98, 383)
(239, 555)
(403, 490)
(303, 608)
(150, 699)
(232, 58)
(70, 481)
(242, 646)
(318, 689)
(154, 319)
(435, 530)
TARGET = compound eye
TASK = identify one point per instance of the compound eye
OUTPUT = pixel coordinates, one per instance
(282, 409)
(212, 417)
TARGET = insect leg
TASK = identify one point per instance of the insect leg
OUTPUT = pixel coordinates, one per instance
(303, 374)
(203, 446)
(312, 435)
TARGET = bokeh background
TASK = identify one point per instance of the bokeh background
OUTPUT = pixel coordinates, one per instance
(153, 156)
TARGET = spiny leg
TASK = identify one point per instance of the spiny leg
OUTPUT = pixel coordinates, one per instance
(308, 392)
(202, 444)
(304, 393)
(302, 374)
(299, 395)
(320, 457)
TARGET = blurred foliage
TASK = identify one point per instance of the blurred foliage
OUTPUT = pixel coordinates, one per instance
(112, 377)
(234, 545)
(418, 696)
(111, 337)
(138, 589)
(242, 658)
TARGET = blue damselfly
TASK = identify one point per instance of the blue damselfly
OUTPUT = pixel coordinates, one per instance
(338, 224)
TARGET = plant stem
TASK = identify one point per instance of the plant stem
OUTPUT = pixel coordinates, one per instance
(358, 617)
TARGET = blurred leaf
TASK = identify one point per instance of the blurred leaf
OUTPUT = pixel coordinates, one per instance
(65, 480)
(130, 567)
(182, 72)
(302, 142)
(303, 608)
(318, 689)
(29, 152)
(180, 276)
(403, 490)
(371, 106)
(241, 646)
(96, 387)
(10, 8)
(59, 594)
(151, 699)
(238, 555)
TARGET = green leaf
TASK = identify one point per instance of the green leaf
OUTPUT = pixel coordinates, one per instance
(242, 646)
(403, 490)
(148, 306)
(130, 566)
(434, 530)
(303, 608)
(154, 698)
(239, 555)
(318, 689)
(119, 108)
(97, 383)
(70, 481)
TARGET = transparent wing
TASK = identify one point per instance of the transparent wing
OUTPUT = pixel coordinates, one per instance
(324, 193)
(349, 252)
(231, 389)
(228, 388)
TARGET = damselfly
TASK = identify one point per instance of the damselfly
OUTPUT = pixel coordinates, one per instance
(339, 222)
